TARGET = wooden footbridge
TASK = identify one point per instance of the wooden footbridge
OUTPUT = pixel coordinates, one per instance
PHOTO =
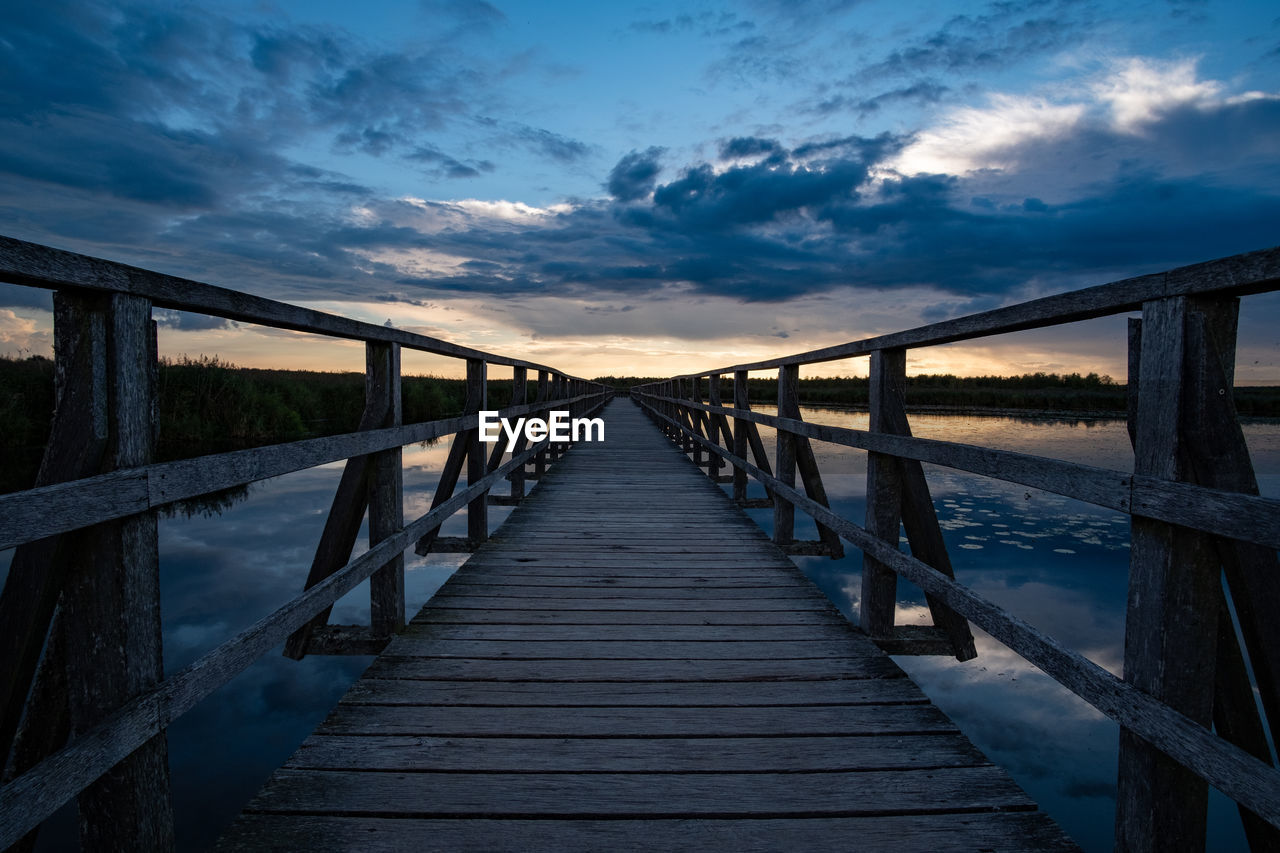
(628, 662)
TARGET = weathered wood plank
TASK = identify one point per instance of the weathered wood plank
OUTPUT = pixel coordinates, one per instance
(453, 615)
(699, 605)
(884, 496)
(631, 755)
(862, 691)
(477, 400)
(1171, 617)
(111, 606)
(386, 491)
(532, 721)
(784, 457)
(924, 833)
(591, 650)
(651, 795)
(37, 571)
(455, 669)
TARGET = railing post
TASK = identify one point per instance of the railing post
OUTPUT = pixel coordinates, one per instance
(740, 434)
(1174, 590)
(706, 429)
(544, 394)
(477, 399)
(519, 396)
(884, 494)
(784, 512)
(717, 424)
(386, 489)
(111, 606)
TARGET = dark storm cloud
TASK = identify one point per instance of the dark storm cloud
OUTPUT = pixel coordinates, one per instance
(183, 109)
(635, 175)
(749, 146)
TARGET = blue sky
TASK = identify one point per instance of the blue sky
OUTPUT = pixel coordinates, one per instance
(635, 188)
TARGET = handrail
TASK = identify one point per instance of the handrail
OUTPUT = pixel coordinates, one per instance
(1237, 515)
(1198, 520)
(106, 362)
(35, 265)
(62, 507)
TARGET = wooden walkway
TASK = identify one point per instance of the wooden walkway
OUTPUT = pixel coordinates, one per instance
(630, 664)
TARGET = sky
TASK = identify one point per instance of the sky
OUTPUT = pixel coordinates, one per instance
(645, 188)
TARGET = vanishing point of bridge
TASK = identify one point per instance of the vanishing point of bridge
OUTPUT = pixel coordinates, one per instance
(629, 662)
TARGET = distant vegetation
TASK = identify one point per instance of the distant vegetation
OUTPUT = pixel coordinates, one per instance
(1049, 392)
(207, 405)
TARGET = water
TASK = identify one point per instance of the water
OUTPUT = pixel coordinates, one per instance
(1059, 564)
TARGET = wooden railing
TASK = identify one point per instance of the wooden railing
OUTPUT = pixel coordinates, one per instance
(1203, 541)
(83, 701)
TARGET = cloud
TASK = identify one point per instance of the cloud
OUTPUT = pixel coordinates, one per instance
(706, 24)
(1006, 35)
(1137, 91)
(923, 92)
(448, 167)
(635, 174)
(551, 145)
(748, 146)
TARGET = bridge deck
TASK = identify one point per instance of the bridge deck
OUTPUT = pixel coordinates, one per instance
(629, 663)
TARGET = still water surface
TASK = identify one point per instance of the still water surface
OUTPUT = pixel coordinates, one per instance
(1059, 564)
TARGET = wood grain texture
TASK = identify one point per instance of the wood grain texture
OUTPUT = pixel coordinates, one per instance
(1171, 617)
(386, 491)
(884, 495)
(111, 607)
